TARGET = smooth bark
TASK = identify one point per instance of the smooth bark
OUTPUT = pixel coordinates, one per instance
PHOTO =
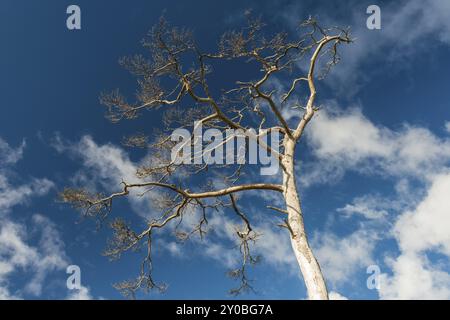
(310, 269)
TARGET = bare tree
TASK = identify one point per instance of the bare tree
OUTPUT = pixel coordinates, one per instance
(178, 71)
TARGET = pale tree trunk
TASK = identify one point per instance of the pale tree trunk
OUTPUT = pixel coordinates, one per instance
(309, 266)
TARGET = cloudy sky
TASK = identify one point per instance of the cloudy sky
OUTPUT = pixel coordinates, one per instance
(374, 173)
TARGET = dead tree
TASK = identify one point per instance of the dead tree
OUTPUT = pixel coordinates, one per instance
(179, 71)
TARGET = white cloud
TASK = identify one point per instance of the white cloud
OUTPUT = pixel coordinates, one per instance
(6, 295)
(433, 17)
(340, 140)
(10, 155)
(275, 246)
(428, 225)
(221, 241)
(347, 134)
(11, 196)
(399, 39)
(447, 126)
(341, 257)
(105, 167)
(51, 253)
(414, 277)
(380, 208)
(80, 294)
(346, 140)
(368, 206)
(17, 254)
(333, 295)
(109, 162)
(422, 230)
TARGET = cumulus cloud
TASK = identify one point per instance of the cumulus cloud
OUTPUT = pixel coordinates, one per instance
(340, 140)
(414, 277)
(17, 254)
(341, 257)
(397, 42)
(343, 140)
(221, 243)
(105, 166)
(37, 259)
(273, 244)
(15, 195)
(51, 253)
(12, 195)
(368, 206)
(9, 155)
(108, 162)
(333, 295)
(425, 229)
(80, 294)
(380, 208)
(428, 225)
(433, 18)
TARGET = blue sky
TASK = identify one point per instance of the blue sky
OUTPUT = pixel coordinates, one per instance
(374, 172)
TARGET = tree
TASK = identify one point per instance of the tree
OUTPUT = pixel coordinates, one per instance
(179, 71)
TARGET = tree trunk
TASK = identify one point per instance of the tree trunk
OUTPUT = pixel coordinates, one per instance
(309, 266)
